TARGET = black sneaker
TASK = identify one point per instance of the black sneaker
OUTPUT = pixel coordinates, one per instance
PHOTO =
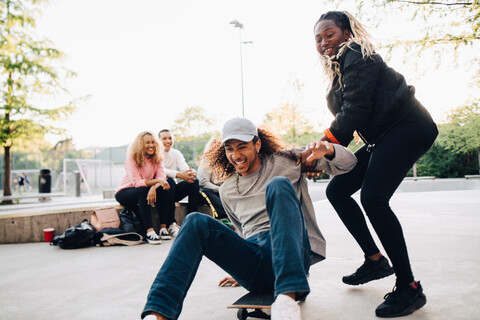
(401, 301)
(368, 271)
(153, 238)
(164, 235)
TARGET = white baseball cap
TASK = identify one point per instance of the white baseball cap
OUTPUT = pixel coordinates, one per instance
(240, 129)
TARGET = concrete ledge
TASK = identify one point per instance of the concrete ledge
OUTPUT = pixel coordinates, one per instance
(41, 196)
(474, 176)
(27, 226)
(420, 178)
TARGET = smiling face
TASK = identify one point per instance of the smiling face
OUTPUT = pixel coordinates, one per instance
(166, 138)
(149, 145)
(243, 155)
(329, 36)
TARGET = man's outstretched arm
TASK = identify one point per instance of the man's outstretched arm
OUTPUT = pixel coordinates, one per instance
(321, 156)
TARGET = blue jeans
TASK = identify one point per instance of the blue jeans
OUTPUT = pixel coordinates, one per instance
(277, 260)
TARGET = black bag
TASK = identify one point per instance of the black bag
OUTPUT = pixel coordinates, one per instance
(115, 236)
(79, 236)
(129, 222)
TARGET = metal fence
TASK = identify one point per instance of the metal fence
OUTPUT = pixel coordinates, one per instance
(31, 162)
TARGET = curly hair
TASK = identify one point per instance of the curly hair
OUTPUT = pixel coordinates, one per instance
(216, 156)
(345, 21)
(135, 150)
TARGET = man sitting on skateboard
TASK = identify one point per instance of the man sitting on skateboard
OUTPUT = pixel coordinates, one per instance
(265, 196)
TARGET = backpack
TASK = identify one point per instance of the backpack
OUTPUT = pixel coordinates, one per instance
(130, 222)
(79, 236)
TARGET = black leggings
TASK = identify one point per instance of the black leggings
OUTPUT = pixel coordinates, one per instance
(378, 174)
(131, 197)
(215, 201)
(184, 189)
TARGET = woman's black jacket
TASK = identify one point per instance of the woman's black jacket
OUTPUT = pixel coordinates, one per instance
(371, 99)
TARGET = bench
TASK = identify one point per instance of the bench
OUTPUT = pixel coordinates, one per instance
(42, 197)
(27, 225)
(474, 176)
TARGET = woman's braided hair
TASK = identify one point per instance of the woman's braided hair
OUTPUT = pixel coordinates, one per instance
(345, 21)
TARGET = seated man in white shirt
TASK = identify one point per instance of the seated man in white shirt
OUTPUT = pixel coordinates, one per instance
(173, 160)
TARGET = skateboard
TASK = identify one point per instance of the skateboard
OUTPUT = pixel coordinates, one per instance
(253, 301)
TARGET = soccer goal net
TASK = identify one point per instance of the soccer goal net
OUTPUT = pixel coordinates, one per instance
(94, 175)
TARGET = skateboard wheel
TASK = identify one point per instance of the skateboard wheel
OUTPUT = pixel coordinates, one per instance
(242, 314)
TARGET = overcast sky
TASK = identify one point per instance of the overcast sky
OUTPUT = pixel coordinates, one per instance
(143, 62)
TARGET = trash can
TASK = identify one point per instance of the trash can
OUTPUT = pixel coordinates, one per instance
(44, 181)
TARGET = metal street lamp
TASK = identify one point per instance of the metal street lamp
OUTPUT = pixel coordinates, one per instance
(238, 25)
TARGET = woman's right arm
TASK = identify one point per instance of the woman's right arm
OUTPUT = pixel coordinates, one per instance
(359, 82)
(133, 171)
(156, 183)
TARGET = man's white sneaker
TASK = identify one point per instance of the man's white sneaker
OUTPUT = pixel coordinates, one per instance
(153, 238)
(164, 235)
(285, 308)
(150, 317)
(173, 229)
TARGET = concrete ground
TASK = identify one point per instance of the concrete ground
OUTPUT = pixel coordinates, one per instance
(441, 228)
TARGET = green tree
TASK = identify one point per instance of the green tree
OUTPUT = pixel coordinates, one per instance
(443, 163)
(460, 134)
(32, 143)
(194, 124)
(192, 130)
(451, 33)
(454, 23)
(301, 139)
(30, 69)
(456, 152)
(289, 119)
(450, 30)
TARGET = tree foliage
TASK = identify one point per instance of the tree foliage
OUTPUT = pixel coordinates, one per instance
(290, 120)
(451, 32)
(442, 163)
(445, 32)
(452, 22)
(456, 152)
(32, 143)
(461, 134)
(192, 129)
(194, 124)
(30, 68)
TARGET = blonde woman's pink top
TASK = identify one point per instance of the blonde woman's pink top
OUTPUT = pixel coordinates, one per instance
(136, 176)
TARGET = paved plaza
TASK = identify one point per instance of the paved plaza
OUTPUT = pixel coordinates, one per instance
(442, 230)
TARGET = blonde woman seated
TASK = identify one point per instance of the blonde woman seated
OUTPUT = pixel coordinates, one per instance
(144, 185)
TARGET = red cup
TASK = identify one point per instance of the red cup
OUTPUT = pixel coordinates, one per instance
(48, 233)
